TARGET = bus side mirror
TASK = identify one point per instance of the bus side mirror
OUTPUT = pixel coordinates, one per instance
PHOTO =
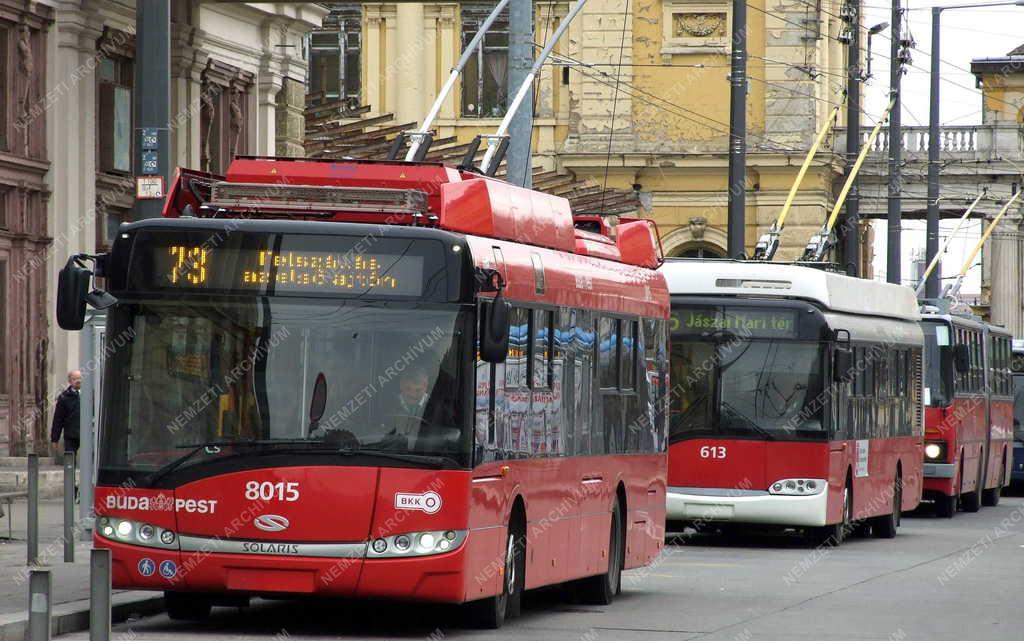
(842, 364)
(961, 358)
(72, 289)
(494, 328)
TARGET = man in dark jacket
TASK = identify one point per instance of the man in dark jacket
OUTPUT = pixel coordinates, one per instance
(65, 414)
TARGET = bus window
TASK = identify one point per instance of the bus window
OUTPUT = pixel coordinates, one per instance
(628, 355)
(608, 357)
(938, 381)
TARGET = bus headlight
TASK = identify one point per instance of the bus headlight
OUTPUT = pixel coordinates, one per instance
(136, 533)
(935, 451)
(416, 544)
(797, 487)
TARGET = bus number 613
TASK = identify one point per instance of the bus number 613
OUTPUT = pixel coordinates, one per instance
(712, 451)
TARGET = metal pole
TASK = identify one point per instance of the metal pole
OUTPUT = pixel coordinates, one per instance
(87, 398)
(152, 97)
(99, 595)
(39, 603)
(735, 241)
(851, 228)
(931, 287)
(69, 507)
(894, 250)
(520, 60)
(33, 509)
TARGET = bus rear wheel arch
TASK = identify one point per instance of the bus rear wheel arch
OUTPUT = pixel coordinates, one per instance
(971, 501)
(885, 526)
(991, 497)
(490, 613)
(602, 588)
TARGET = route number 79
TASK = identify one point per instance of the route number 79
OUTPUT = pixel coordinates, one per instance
(712, 451)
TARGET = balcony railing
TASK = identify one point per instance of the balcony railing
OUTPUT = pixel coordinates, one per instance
(956, 141)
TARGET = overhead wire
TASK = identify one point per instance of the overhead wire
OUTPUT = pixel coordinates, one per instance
(615, 103)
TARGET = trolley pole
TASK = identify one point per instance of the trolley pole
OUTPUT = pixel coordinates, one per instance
(894, 249)
(851, 228)
(738, 131)
(520, 61)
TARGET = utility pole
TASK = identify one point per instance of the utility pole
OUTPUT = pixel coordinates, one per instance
(152, 106)
(520, 61)
(894, 249)
(931, 287)
(738, 131)
(851, 227)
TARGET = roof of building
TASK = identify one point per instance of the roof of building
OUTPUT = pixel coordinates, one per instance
(833, 291)
(1019, 51)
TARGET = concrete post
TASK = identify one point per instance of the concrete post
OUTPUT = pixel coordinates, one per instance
(69, 507)
(39, 605)
(33, 509)
(99, 595)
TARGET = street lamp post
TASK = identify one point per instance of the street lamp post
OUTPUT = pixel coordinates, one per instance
(931, 288)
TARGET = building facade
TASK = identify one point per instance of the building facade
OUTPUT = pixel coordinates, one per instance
(636, 96)
(238, 78)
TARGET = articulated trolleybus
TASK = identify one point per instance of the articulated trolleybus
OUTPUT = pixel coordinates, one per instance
(969, 416)
(795, 401)
(1017, 365)
(379, 380)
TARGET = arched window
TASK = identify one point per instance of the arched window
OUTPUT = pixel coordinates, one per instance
(700, 250)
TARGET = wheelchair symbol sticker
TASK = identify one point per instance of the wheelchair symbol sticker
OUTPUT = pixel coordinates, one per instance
(168, 569)
(147, 567)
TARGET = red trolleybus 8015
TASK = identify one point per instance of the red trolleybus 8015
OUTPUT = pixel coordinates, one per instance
(969, 414)
(796, 398)
(424, 384)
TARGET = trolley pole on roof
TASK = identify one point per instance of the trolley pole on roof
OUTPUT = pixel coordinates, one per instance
(894, 250)
(520, 60)
(738, 132)
(850, 231)
(952, 291)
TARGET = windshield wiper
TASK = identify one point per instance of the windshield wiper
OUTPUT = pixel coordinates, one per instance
(746, 419)
(433, 461)
(178, 462)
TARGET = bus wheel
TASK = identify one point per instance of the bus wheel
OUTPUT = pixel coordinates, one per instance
(884, 527)
(835, 534)
(991, 497)
(971, 502)
(186, 607)
(490, 613)
(601, 589)
(945, 507)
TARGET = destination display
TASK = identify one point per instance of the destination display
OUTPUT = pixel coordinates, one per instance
(742, 322)
(281, 263)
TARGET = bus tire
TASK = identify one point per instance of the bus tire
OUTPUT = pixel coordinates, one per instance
(601, 589)
(945, 507)
(991, 497)
(834, 534)
(884, 527)
(490, 613)
(971, 502)
(182, 606)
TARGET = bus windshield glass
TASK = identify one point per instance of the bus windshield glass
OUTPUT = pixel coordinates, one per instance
(286, 374)
(1018, 406)
(749, 376)
(938, 377)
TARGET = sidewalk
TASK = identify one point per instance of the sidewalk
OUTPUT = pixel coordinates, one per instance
(70, 581)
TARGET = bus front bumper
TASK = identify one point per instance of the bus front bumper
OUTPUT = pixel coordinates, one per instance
(745, 506)
(939, 470)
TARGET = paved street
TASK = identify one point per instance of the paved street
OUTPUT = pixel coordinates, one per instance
(938, 580)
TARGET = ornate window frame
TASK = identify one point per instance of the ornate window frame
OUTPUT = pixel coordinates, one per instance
(695, 27)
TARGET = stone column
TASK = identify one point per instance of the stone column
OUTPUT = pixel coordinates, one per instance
(390, 51)
(451, 48)
(1007, 253)
(187, 63)
(372, 61)
(291, 123)
(406, 81)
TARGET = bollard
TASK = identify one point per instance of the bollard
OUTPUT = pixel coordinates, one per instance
(69, 506)
(39, 583)
(33, 509)
(99, 595)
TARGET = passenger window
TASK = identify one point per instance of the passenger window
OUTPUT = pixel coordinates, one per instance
(542, 354)
(608, 352)
(628, 355)
(516, 365)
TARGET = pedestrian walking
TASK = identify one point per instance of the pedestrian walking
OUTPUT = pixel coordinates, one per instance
(65, 414)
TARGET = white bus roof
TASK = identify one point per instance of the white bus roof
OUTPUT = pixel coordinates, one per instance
(836, 292)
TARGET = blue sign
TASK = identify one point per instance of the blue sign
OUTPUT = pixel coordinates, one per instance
(168, 569)
(150, 163)
(149, 139)
(147, 567)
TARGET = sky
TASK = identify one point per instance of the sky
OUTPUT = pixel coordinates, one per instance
(966, 34)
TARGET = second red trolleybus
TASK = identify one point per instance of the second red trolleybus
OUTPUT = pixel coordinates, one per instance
(969, 417)
(795, 400)
(379, 380)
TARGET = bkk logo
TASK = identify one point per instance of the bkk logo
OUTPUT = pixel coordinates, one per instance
(428, 502)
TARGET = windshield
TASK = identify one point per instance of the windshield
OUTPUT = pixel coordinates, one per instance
(286, 374)
(746, 387)
(938, 358)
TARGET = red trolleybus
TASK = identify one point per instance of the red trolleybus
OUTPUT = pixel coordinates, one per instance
(796, 398)
(969, 415)
(314, 396)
